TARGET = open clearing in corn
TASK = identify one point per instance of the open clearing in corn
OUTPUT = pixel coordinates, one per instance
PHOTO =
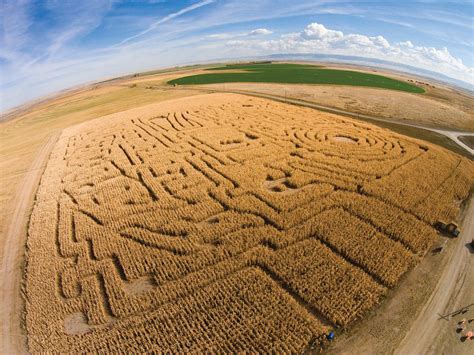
(227, 223)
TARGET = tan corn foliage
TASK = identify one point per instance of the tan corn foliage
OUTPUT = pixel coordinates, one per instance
(226, 223)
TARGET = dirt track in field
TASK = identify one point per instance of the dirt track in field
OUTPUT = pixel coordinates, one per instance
(13, 340)
(421, 337)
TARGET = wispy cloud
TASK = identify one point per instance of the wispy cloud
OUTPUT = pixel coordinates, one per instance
(74, 19)
(395, 22)
(50, 45)
(167, 18)
(260, 32)
(229, 35)
(16, 21)
(26, 40)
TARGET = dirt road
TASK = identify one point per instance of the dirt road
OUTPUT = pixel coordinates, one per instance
(455, 137)
(12, 339)
(420, 338)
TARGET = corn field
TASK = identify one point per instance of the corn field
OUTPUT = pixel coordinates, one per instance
(226, 223)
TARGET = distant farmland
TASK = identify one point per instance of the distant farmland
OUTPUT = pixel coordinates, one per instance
(294, 74)
(223, 223)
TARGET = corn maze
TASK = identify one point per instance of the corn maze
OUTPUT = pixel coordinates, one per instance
(226, 223)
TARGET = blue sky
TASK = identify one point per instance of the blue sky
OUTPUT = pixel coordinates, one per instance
(50, 45)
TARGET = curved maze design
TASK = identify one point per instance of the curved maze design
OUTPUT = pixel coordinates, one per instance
(226, 223)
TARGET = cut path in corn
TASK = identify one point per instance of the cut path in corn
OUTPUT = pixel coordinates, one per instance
(11, 335)
(452, 135)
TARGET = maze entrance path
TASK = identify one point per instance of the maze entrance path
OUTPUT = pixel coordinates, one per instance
(226, 223)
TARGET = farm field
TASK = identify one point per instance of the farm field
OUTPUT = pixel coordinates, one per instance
(294, 74)
(391, 105)
(22, 136)
(227, 223)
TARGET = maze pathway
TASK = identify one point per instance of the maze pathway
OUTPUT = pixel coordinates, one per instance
(226, 223)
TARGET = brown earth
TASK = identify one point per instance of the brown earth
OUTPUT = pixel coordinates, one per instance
(11, 266)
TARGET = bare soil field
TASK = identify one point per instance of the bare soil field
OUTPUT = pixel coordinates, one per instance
(227, 223)
(400, 106)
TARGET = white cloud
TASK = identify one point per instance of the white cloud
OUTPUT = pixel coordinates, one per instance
(39, 58)
(223, 35)
(260, 32)
(318, 31)
(405, 44)
(316, 38)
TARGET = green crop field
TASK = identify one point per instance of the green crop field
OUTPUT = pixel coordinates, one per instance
(294, 74)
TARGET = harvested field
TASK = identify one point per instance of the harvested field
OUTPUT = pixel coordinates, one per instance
(226, 223)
